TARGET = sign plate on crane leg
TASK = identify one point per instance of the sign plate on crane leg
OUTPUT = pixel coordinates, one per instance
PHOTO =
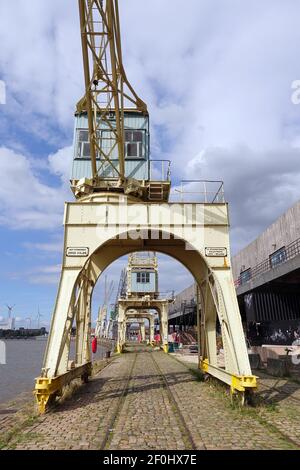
(215, 251)
(78, 252)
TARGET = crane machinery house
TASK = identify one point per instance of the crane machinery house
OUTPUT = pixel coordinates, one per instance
(142, 275)
(136, 140)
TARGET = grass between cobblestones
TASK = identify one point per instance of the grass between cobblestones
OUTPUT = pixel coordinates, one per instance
(25, 418)
(259, 411)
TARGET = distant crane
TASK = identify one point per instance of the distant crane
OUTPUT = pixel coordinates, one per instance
(109, 325)
(121, 293)
(122, 287)
(102, 315)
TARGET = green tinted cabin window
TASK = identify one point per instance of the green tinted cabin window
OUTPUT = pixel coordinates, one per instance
(134, 144)
(84, 148)
(132, 150)
(143, 278)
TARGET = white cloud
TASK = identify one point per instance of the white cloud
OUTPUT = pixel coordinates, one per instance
(43, 73)
(42, 275)
(26, 202)
(49, 269)
(2, 92)
(259, 189)
(51, 247)
(217, 77)
(230, 85)
(60, 163)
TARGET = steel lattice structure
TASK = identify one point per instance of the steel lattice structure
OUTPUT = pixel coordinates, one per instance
(107, 89)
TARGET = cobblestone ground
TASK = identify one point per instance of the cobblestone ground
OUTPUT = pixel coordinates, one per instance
(81, 422)
(12, 414)
(148, 418)
(148, 400)
(212, 420)
(283, 396)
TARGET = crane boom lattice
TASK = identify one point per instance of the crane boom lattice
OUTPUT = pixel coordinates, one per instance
(107, 90)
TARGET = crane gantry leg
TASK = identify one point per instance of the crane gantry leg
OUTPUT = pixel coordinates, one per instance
(93, 242)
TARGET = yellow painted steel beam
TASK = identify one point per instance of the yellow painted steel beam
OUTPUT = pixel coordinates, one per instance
(239, 383)
(119, 107)
(86, 66)
(45, 387)
(243, 382)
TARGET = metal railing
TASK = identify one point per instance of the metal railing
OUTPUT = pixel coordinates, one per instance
(185, 305)
(288, 252)
(169, 295)
(141, 259)
(159, 170)
(203, 191)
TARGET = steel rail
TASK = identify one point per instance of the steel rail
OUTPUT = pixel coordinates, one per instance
(182, 425)
(108, 435)
(179, 416)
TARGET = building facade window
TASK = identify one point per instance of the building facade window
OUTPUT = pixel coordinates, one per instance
(278, 257)
(245, 276)
(143, 278)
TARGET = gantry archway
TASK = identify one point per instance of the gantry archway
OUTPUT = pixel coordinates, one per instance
(129, 313)
(160, 305)
(93, 240)
(139, 317)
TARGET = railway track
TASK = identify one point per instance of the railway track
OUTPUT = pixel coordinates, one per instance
(134, 381)
(146, 400)
(282, 394)
(107, 438)
(163, 381)
(180, 419)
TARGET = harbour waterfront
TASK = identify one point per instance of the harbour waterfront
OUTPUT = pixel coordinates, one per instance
(23, 364)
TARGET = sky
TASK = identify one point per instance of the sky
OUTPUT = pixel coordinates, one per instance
(219, 80)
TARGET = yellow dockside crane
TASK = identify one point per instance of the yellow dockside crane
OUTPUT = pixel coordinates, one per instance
(120, 191)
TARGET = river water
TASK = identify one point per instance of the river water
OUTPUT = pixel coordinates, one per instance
(23, 364)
